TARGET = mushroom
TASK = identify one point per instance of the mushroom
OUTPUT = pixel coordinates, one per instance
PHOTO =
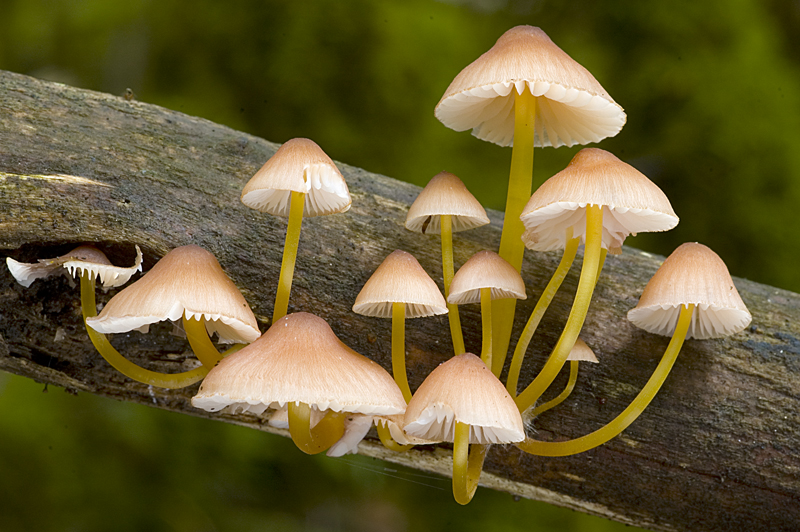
(691, 295)
(485, 277)
(600, 200)
(446, 206)
(461, 401)
(525, 91)
(299, 364)
(299, 180)
(399, 289)
(189, 284)
(91, 263)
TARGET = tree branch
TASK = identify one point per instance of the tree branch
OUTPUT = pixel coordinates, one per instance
(719, 448)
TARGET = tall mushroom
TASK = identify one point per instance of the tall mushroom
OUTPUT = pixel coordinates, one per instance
(187, 284)
(299, 180)
(446, 206)
(525, 91)
(600, 200)
(301, 365)
(691, 295)
(399, 289)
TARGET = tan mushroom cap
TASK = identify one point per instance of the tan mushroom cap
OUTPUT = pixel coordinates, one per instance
(299, 165)
(300, 359)
(186, 280)
(692, 274)
(582, 352)
(400, 279)
(463, 389)
(571, 106)
(631, 203)
(445, 194)
(486, 269)
(80, 259)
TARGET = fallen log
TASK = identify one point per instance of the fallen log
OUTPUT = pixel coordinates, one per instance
(718, 449)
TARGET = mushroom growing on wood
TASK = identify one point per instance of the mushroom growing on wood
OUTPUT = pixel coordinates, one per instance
(187, 284)
(299, 180)
(446, 206)
(580, 353)
(691, 295)
(525, 91)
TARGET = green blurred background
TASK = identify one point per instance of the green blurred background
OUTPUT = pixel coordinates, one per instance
(712, 92)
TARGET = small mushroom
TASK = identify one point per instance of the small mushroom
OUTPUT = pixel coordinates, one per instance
(299, 180)
(691, 295)
(446, 206)
(580, 353)
(399, 289)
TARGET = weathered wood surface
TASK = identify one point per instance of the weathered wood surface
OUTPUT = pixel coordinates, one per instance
(719, 448)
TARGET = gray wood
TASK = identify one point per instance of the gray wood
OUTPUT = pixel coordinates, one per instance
(719, 448)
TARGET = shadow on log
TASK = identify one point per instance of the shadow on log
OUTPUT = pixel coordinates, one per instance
(719, 448)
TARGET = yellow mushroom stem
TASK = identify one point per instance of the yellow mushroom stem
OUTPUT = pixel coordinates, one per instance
(201, 344)
(629, 415)
(519, 192)
(328, 431)
(387, 440)
(448, 270)
(289, 255)
(467, 464)
(573, 377)
(119, 362)
(577, 315)
(399, 349)
(486, 320)
(570, 249)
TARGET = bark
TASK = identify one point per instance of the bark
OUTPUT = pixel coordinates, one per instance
(719, 448)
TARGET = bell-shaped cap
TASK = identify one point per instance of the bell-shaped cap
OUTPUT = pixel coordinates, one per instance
(186, 280)
(571, 106)
(631, 203)
(400, 279)
(581, 352)
(463, 389)
(79, 260)
(445, 194)
(299, 165)
(692, 274)
(486, 269)
(300, 359)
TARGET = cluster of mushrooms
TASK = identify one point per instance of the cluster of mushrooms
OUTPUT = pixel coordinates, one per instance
(300, 376)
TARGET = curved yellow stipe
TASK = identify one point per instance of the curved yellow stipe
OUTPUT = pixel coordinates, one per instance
(486, 320)
(573, 377)
(448, 270)
(387, 440)
(328, 431)
(519, 192)
(467, 464)
(629, 415)
(201, 344)
(399, 349)
(122, 364)
(545, 299)
(289, 255)
(580, 306)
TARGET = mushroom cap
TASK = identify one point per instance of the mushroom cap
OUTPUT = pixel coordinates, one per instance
(692, 274)
(300, 359)
(445, 194)
(631, 203)
(299, 165)
(186, 280)
(486, 269)
(571, 106)
(80, 259)
(463, 389)
(400, 279)
(582, 352)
